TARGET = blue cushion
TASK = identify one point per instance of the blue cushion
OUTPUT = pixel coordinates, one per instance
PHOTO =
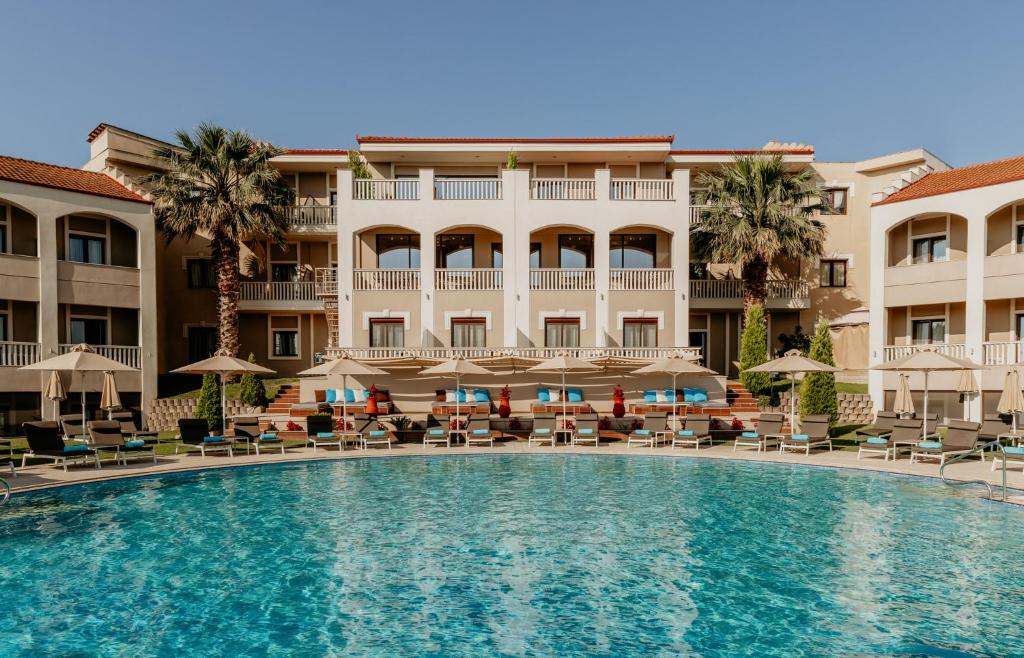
(81, 447)
(435, 431)
(350, 396)
(585, 430)
(325, 435)
(575, 395)
(687, 394)
(482, 395)
(685, 432)
(212, 439)
(268, 436)
(650, 396)
(481, 432)
(877, 440)
(750, 435)
(929, 444)
(460, 395)
(799, 437)
(642, 432)
(700, 395)
(134, 443)
(1014, 451)
(542, 430)
(542, 395)
(330, 396)
(377, 433)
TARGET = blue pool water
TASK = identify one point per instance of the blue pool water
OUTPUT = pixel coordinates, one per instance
(512, 555)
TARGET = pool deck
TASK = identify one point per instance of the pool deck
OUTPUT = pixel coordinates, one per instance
(46, 475)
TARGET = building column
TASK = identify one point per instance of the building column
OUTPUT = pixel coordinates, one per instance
(878, 317)
(428, 248)
(47, 314)
(602, 272)
(148, 313)
(974, 312)
(346, 254)
(680, 256)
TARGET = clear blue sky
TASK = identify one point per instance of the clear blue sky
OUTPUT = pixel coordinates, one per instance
(856, 79)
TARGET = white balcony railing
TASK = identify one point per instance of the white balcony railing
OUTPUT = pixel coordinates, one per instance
(554, 278)
(278, 291)
(13, 353)
(325, 281)
(310, 216)
(789, 289)
(129, 355)
(401, 189)
(563, 189)
(468, 279)
(467, 189)
(640, 189)
(698, 213)
(645, 353)
(404, 279)
(640, 279)
(733, 289)
(1009, 353)
(958, 350)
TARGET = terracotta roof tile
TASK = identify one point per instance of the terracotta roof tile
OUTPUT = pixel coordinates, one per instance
(637, 139)
(316, 152)
(961, 178)
(31, 172)
(740, 151)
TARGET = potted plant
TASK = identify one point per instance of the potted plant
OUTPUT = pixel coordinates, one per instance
(618, 402)
(504, 408)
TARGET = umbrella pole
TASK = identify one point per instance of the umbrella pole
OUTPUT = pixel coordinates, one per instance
(565, 410)
(82, 377)
(344, 403)
(924, 425)
(223, 405)
(792, 402)
(675, 413)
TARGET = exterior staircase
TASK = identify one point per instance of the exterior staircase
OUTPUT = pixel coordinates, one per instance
(740, 400)
(326, 287)
(282, 403)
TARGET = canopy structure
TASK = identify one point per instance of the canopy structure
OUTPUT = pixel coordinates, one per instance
(1012, 400)
(55, 390)
(110, 399)
(926, 360)
(674, 366)
(456, 367)
(966, 387)
(904, 402)
(81, 358)
(225, 366)
(344, 365)
(564, 363)
(791, 363)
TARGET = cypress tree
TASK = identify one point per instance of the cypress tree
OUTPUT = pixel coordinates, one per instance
(754, 351)
(208, 407)
(253, 391)
(818, 389)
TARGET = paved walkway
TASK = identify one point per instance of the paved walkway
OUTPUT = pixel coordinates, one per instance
(46, 475)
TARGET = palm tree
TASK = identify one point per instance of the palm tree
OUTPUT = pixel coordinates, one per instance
(219, 184)
(758, 211)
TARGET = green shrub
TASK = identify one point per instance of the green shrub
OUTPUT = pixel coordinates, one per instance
(252, 391)
(818, 389)
(208, 408)
(754, 352)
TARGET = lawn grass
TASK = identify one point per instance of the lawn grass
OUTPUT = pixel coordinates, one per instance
(234, 390)
(783, 386)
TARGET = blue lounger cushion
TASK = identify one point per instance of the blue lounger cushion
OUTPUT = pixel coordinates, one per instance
(267, 436)
(481, 432)
(436, 431)
(700, 395)
(575, 395)
(542, 395)
(213, 439)
(750, 435)
(929, 444)
(377, 433)
(685, 432)
(482, 395)
(330, 396)
(542, 430)
(325, 435)
(350, 396)
(134, 443)
(650, 397)
(73, 449)
(585, 431)
(877, 440)
(642, 432)
(799, 437)
(1014, 451)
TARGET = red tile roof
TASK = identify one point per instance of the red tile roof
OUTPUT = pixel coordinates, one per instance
(64, 178)
(961, 178)
(639, 139)
(316, 151)
(740, 151)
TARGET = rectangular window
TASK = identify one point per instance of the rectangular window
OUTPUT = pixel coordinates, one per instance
(535, 260)
(562, 332)
(640, 332)
(202, 343)
(398, 251)
(284, 272)
(454, 251)
(4, 329)
(1020, 238)
(201, 273)
(469, 332)
(929, 331)
(3, 236)
(286, 342)
(575, 251)
(87, 249)
(89, 330)
(833, 274)
(632, 251)
(699, 339)
(837, 200)
(387, 332)
(497, 256)
(930, 250)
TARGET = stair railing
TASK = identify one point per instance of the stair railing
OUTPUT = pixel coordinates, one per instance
(7, 491)
(995, 445)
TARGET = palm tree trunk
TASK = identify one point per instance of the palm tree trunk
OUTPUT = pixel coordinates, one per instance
(755, 286)
(228, 289)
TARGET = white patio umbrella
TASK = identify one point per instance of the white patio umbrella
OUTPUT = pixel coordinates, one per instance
(344, 365)
(1012, 400)
(675, 366)
(564, 363)
(225, 366)
(55, 390)
(81, 358)
(904, 402)
(791, 363)
(456, 367)
(110, 399)
(967, 386)
(926, 360)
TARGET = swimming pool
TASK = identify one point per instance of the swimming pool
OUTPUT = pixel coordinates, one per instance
(512, 555)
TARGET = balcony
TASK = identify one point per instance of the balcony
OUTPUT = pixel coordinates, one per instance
(698, 213)
(19, 277)
(1008, 353)
(563, 189)
(640, 279)
(728, 293)
(468, 279)
(374, 279)
(638, 189)
(958, 350)
(129, 355)
(1004, 276)
(305, 218)
(17, 354)
(403, 189)
(926, 283)
(539, 353)
(98, 285)
(467, 189)
(555, 278)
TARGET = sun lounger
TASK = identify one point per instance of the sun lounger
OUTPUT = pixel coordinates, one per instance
(106, 435)
(961, 438)
(45, 442)
(994, 425)
(655, 430)
(696, 431)
(543, 429)
(882, 425)
(320, 433)
(478, 430)
(247, 430)
(195, 432)
(72, 428)
(814, 432)
(587, 430)
(437, 430)
(768, 433)
(131, 430)
(905, 433)
(1011, 454)
(375, 437)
